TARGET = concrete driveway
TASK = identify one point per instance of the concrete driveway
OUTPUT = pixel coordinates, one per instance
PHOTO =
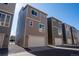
(15, 50)
(54, 51)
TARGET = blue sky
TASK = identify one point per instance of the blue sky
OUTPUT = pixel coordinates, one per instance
(68, 13)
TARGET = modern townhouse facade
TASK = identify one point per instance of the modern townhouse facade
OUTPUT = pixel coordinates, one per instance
(55, 35)
(31, 28)
(74, 35)
(6, 17)
(67, 35)
(78, 36)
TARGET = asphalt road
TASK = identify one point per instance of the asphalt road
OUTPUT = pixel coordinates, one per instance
(53, 52)
(15, 50)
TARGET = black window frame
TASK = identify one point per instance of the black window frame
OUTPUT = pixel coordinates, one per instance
(34, 13)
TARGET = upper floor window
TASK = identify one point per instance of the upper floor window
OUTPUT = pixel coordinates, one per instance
(8, 18)
(59, 31)
(34, 13)
(2, 17)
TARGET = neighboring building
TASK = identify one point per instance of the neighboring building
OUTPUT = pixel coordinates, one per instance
(6, 17)
(74, 35)
(31, 28)
(67, 37)
(55, 35)
(78, 36)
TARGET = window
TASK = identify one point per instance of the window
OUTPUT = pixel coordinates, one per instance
(30, 23)
(34, 13)
(60, 31)
(8, 18)
(2, 17)
(2, 23)
(41, 25)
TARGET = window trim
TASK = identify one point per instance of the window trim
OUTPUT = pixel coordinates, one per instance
(4, 19)
(41, 24)
(42, 29)
(4, 22)
(9, 20)
(35, 12)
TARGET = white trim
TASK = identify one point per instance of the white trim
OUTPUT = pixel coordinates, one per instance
(4, 19)
(33, 19)
(6, 11)
(4, 22)
(34, 11)
(9, 20)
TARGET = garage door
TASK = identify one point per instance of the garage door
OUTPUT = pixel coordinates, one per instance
(36, 41)
(1, 39)
(75, 41)
(58, 41)
(69, 41)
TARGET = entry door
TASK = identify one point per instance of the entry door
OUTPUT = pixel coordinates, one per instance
(1, 39)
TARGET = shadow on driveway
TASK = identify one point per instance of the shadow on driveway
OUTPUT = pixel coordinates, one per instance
(50, 51)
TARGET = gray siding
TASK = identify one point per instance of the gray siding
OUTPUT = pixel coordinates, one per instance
(20, 27)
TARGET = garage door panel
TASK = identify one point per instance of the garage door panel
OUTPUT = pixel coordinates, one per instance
(69, 41)
(58, 41)
(36, 41)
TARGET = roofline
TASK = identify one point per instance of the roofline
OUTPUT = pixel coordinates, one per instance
(35, 8)
(54, 18)
(70, 25)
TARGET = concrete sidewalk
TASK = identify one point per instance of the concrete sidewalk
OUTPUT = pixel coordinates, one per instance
(15, 50)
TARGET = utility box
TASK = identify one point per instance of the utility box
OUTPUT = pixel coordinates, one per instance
(6, 17)
(31, 28)
(55, 35)
(67, 36)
